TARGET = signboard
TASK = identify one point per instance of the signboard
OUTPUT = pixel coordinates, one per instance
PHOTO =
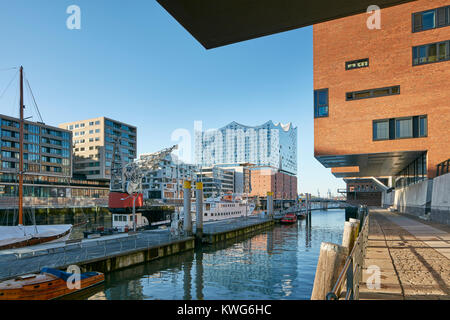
(356, 64)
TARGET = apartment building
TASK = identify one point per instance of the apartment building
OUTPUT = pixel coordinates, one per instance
(93, 145)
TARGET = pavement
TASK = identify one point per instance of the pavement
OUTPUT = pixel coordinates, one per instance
(411, 256)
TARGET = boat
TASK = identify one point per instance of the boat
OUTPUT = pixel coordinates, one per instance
(221, 208)
(289, 218)
(47, 285)
(20, 235)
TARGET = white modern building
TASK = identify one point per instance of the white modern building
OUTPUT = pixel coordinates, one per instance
(273, 145)
(166, 183)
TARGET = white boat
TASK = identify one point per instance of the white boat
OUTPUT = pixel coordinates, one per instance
(226, 207)
(23, 236)
(20, 235)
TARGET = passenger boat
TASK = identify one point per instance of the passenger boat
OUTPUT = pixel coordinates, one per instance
(47, 285)
(21, 235)
(221, 208)
(289, 218)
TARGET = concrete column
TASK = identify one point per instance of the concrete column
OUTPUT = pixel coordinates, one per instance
(358, 225)
(199, 211)
(331, 261)
(187, 224)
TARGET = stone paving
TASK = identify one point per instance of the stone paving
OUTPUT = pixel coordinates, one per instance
(413, 257)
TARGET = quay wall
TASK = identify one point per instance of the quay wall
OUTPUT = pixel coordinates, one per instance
(440, 203)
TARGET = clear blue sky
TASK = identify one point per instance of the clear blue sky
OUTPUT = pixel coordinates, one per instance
(131, 61)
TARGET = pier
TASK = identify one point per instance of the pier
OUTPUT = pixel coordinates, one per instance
(111, 253)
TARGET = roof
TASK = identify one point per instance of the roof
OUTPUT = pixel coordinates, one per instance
(216, 23)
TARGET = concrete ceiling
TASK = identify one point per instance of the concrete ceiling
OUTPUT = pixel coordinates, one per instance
(216, 23)
(370, 165)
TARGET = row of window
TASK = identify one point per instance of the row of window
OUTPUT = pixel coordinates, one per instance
(372, 93)
(82, 125)
(82, 133)
(431, 19)
(415, 172)
(400, 128)
(430, 53)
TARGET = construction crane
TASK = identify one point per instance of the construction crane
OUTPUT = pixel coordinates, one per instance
(126, 178)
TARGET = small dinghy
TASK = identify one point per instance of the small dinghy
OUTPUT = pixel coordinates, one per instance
(47, 285)
(289, 218)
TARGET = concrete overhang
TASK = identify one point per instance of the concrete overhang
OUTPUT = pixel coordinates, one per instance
(216, 23)
(369, 165)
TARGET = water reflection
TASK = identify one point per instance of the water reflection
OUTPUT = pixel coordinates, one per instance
(277, 264)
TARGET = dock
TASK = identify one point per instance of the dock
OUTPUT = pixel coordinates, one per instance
(413, 257)
(110, 253)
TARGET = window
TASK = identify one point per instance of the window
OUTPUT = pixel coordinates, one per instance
(321, 103)
(431, 19)
(373, 93)
(381, 130)
(429, 53)
(403, 128)
(400, 128)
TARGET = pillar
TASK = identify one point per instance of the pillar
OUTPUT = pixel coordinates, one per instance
(187, 223)
(350, 233)
(199, 210)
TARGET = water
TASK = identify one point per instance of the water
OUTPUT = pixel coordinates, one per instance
(276, 264)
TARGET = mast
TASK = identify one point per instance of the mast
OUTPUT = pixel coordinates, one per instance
(21, 151)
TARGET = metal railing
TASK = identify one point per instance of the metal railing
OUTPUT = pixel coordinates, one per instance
(351, 273)
(58, 255)
(443, 168)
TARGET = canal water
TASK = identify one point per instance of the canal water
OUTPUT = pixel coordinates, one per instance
(276, 264)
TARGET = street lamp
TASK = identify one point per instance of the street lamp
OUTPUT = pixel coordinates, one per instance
(134, 209)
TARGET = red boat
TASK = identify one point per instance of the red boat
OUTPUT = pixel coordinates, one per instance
(289, 218)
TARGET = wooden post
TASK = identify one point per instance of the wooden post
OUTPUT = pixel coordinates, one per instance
(199, 211)
(331, 261)
(350, 233)
(187, 223)
(358, 225)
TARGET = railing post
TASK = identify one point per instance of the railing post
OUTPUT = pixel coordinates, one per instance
(350, 280)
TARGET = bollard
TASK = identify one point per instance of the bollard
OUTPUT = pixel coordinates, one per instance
(349, 237)
(187, 225)
(358, 226)
(199, 211)
(331, 261)
(270, 204)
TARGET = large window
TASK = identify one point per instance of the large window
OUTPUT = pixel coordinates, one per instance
(429, 53)
(373, 93)
(431, 19)
(321, 103)
(381, 130)
(403, 128)
(415, 172)
(400, 128)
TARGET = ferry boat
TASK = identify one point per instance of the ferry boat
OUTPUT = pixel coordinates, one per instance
(221, 208)
(47, 285)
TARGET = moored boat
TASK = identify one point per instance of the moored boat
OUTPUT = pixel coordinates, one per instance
(289, 218)
(47, 285)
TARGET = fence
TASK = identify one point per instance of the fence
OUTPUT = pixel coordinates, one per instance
(351, 273)
(17, 262)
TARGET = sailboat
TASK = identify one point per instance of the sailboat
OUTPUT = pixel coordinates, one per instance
(20, 235)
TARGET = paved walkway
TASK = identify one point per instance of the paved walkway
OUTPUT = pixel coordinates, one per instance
(413, 257)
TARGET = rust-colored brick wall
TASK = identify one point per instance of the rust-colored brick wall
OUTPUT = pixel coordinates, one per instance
(283, 186)
(424, 89)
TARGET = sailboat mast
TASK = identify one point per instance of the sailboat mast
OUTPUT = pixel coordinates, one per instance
(21, 151)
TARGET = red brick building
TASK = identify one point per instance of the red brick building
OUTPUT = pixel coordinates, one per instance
(382, 96)
(283, 185)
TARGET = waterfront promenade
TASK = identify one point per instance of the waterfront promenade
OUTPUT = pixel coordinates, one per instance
(413, 257)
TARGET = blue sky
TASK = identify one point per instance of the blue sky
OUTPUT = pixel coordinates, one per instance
(131, 61)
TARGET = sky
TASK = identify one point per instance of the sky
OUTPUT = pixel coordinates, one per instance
(132, 62)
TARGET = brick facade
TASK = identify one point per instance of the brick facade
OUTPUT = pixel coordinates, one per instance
(425, 89)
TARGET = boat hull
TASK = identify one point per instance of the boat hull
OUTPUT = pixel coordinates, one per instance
(37, 240)
(48, 289)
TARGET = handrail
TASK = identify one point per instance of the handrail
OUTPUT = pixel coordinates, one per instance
(351, 272)
(443, 168)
